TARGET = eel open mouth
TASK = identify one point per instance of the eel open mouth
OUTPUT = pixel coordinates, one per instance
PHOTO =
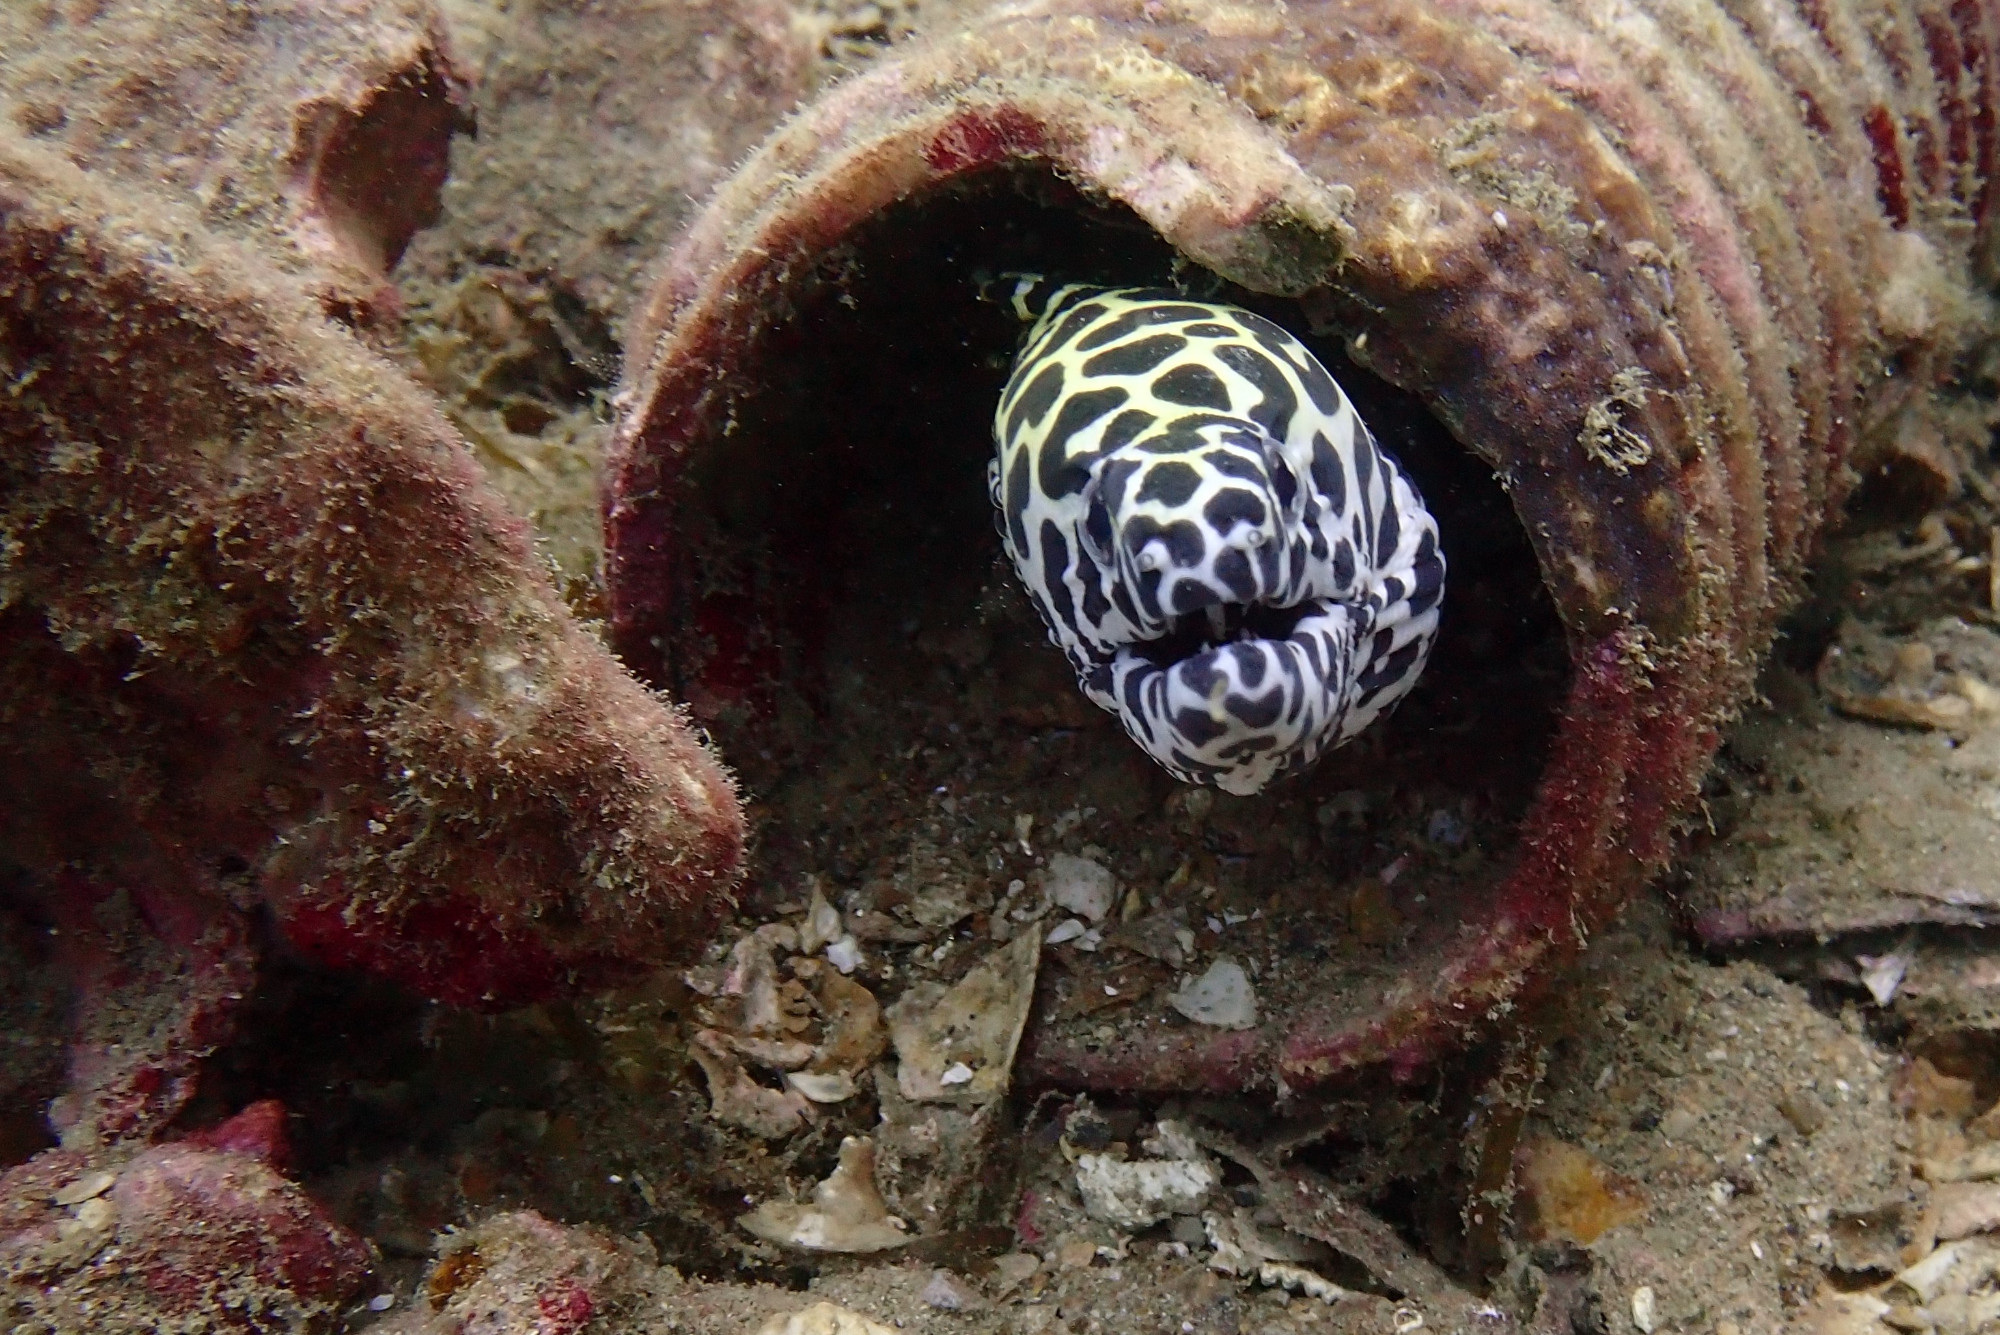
(1195, 633)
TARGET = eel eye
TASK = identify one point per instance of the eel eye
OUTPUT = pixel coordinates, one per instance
(1149, 559)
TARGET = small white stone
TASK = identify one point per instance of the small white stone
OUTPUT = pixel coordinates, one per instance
(1644, 1309)
(1080, 886)
(1222, 997)
(87, 1187)
(382, 1302)
(1069, 929)
(844, 954)
(958, 1073)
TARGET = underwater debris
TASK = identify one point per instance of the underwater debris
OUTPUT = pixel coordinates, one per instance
(404, 791)
(1907, 689)
(266, 620)
(1221, 997)
(1132, 1194)
(847, 1212)
(853, 1034)
(818, 1029)
(956, 1045)
(823, 1319)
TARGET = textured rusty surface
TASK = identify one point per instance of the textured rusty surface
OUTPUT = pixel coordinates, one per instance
(259, 604)
(279, 671)
(318, 131)
(1674, 269)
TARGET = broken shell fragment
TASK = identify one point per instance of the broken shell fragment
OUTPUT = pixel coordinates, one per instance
(822, 1086)
(823, 1319)
(1242, 1247)
(751, 979)
(847, 1213)
(1079, 885)
(1222, 997)
(737, 1100)
(957, 1045)
(854, 1036)
(821, 927)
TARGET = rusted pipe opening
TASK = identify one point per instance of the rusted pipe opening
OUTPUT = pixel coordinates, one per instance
(860, 650)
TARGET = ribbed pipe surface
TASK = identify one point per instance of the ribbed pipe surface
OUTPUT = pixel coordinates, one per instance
(1675, 269)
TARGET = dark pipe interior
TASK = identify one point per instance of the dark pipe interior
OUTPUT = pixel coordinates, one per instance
(866, 661)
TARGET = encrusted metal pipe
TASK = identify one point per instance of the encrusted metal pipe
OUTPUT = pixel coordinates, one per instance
(1676, 270)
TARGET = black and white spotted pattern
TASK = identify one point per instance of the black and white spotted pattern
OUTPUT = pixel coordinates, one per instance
(1232, 565)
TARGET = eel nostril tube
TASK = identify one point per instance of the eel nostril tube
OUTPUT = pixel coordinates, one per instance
(1652, 296)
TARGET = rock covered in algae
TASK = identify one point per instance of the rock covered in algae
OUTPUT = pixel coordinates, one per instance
(199, 1234)
(520, 1272)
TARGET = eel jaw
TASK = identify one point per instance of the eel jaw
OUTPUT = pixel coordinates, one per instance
(1193, 633)
(1266, 698)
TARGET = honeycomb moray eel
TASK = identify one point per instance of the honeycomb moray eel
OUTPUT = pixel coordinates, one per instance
(1230, 563)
